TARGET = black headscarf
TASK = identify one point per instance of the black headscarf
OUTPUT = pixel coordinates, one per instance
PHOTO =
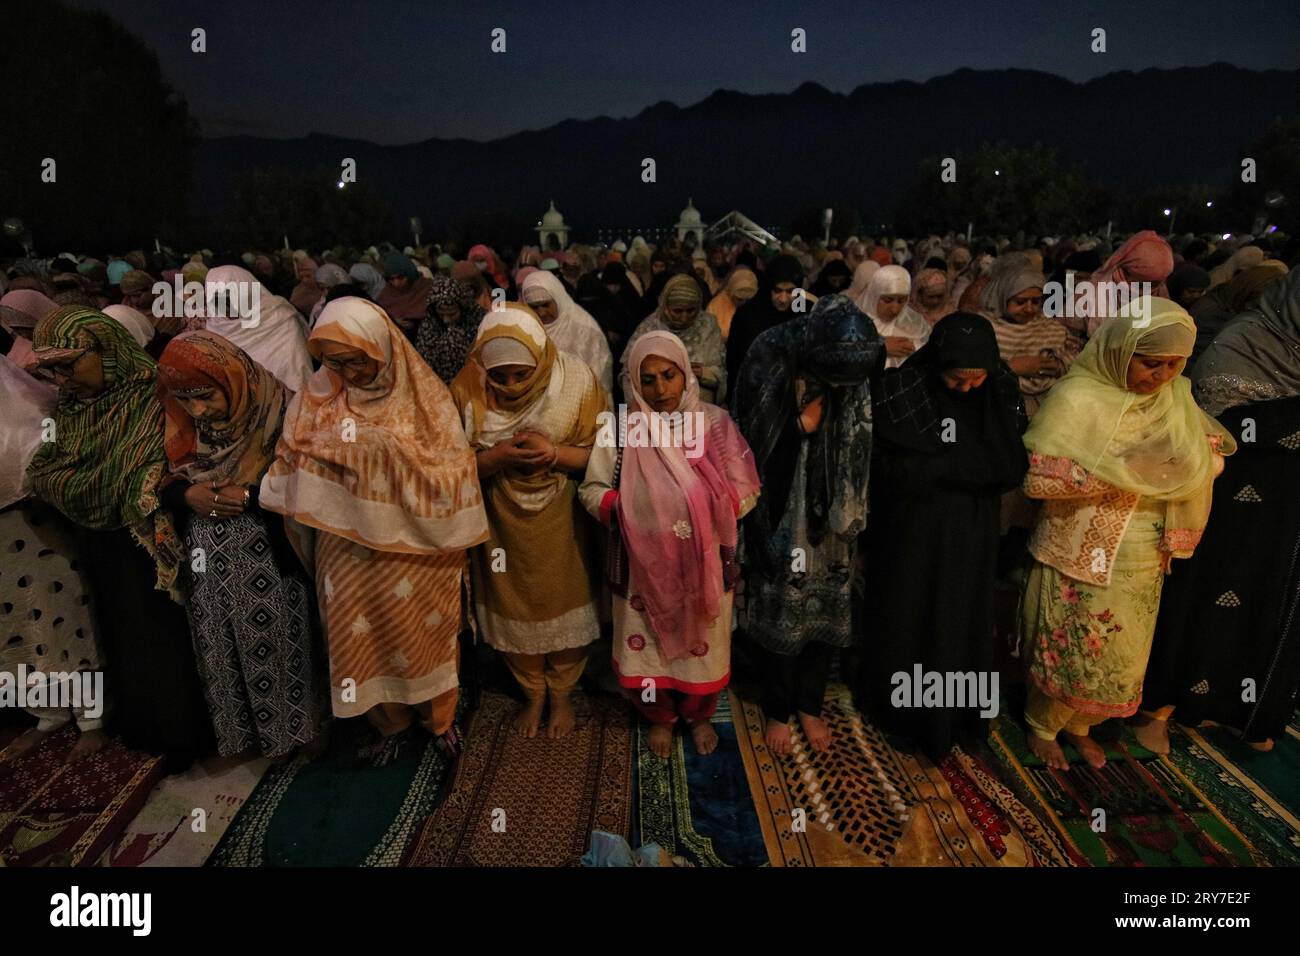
(1186, 276)
(836, 267)
(833, 350)
(759, 314)
(977, 432)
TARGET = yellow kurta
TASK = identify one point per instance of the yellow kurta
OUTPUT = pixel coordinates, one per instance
(536, 579)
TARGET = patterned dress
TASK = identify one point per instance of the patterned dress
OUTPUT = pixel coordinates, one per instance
(251, 625)
(45, 619)
(1087, 645)
(810, 598)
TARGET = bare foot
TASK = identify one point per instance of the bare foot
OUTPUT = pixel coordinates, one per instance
(529, 720)
(1264, 746)
(88, 744)
(1089, 748)
(562, 718)
(705, 737)
(778, 737)
(661, 740)
(815, 729)
(26, 742)
(1151, 732)
(1048, 751)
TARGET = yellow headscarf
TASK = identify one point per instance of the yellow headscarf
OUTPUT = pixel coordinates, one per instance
(492, 412)
(1157, 445)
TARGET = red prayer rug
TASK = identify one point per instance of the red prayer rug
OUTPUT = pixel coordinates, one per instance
(57, 814)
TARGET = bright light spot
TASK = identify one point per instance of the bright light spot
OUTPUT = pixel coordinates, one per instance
(1227, 235)
(1209, 204)
(340, 185)
(1166, 212)
(997, 172)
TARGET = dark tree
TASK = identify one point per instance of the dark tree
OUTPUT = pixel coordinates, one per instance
(1001, 189)
(84, 92)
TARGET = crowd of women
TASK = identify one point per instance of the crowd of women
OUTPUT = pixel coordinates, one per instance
(253, 522)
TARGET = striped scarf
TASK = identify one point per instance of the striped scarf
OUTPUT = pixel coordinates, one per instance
(104, 466)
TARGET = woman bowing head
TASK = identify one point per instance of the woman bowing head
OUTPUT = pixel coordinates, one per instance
(1124, 461)
(372, 455)
(676, 501)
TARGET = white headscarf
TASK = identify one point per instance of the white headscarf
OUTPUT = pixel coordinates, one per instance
(861, 279)
(275, 336)
(140, 328)
(28, 402)
(574, 330)
(894, 280)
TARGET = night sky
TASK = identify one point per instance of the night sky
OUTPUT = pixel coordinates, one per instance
(408, 70)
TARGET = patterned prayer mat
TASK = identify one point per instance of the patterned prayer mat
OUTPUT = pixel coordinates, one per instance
(865, 803)
(345, 808)
(520, 802)
(1194, 807)
(698, 809)
(169, 831)
(58, 814)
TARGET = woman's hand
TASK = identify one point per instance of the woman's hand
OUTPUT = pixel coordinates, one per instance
(542, 453)
(516, 452)
(898, 346)
(1037, 365)
(810, 419)
(225, 501)
(698, 369)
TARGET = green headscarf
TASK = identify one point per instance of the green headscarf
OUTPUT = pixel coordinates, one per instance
(106, 461)
(1156, 445)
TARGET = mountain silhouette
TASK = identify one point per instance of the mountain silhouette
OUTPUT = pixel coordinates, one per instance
(771, 155)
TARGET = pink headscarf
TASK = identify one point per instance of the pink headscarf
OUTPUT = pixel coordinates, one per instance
(494, 268)
(1144, 258)
(676, 512)
(32, 305)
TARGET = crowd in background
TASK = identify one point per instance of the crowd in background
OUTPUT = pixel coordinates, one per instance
(252, 523)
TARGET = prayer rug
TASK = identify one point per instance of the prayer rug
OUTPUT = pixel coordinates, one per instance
(58, 814)
(170, 830)
(348, 807)
(1259, 792)
(864, 803)
(698, 809)
(1185, 809)
(520, 802)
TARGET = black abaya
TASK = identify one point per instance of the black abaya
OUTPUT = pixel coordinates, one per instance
(932, 535)
(152, 683)
(1231, 613)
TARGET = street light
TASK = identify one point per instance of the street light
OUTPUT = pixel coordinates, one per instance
(1172, 214)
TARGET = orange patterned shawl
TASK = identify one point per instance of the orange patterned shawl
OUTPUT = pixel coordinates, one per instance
(385, 465)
